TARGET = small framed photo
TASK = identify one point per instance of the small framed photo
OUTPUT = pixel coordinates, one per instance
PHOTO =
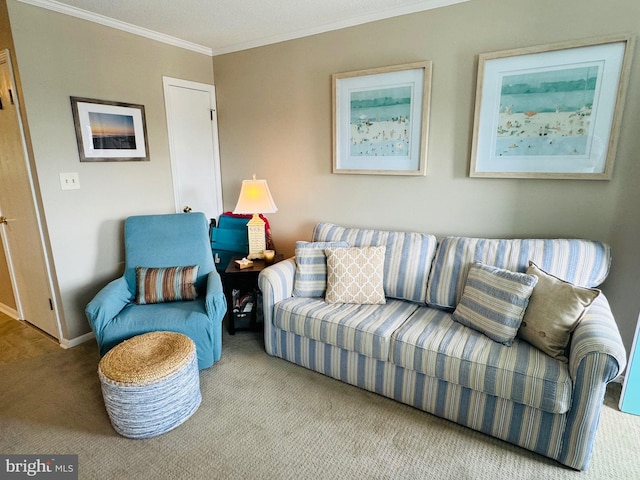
(109, 131)
(380, 120)
(552, 111)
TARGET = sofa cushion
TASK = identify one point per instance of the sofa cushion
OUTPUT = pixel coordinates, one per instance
(494, 301)
(431, 342)
(365, 329)
(407, 260)
(354, 275)
(311, 268)
(554, 310)
(582, 262)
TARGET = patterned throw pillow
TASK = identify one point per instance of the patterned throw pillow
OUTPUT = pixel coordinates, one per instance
(555, 309)
(355, 275)
(311, 268)
(170, 284)
(494, 301)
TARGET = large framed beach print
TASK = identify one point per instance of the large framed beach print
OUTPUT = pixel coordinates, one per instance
(109, 131)
(552, 111)
(380, 118)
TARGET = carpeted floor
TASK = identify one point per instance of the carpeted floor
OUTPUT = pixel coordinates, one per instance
(264, 418)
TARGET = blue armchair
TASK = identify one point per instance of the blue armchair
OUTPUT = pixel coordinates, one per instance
(163, 241)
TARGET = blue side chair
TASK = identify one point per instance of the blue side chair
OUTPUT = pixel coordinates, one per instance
(163, 241)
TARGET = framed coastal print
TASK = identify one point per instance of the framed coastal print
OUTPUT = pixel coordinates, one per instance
(380, 120)
(109, 131)
(552, 111)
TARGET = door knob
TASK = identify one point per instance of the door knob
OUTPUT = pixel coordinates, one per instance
(4, 219)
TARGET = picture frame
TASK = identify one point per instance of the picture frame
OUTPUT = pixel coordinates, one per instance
(380, 120)
(550, 111)
(109, 131)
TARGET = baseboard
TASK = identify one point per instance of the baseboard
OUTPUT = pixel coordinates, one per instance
(74, 342)
(7, 310)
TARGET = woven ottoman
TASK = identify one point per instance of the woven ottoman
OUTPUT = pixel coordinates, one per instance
(150, 383)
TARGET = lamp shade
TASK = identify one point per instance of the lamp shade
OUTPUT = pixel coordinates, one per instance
(255, 197)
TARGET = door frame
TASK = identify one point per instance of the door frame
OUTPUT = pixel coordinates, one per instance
(167, 83)
(18, 313)
(5, 57)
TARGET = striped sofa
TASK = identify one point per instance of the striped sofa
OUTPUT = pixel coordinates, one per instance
(411, 350)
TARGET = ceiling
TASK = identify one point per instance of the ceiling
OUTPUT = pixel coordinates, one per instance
(221, 26)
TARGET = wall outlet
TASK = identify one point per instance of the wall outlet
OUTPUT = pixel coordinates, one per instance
(70, 181)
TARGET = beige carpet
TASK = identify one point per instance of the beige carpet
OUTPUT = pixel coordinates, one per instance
(265, 418)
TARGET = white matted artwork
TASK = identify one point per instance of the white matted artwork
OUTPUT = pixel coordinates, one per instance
(109, 131)
(551, 111)
(380, 118)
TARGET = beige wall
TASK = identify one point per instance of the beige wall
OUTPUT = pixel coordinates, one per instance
(275, 120)
(274, 111)
(61, 56)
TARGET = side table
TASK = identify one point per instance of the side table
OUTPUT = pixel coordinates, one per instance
(246, 282)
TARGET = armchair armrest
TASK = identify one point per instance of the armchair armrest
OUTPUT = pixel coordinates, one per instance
(107, 303)
(276, 284)
(215, 304)
(215, 301)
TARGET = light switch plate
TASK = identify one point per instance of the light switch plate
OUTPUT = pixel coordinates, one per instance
(70, 181)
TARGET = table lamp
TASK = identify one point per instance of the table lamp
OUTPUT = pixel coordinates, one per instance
(255, 198)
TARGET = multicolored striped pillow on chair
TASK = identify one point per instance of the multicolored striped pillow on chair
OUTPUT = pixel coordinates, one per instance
(169, 284)
(494, 301)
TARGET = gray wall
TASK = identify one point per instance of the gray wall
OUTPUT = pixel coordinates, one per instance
(274, 107)
(61, 56)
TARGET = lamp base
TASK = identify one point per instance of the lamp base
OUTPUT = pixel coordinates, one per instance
(255, 233)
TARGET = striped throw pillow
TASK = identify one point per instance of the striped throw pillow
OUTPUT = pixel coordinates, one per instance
(494, 301)
(311, 268)
(170, 284)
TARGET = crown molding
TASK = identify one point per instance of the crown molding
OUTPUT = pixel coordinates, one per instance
(415, 7)
(117, 24)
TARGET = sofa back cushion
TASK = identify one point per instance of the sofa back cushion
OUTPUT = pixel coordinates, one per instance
(407, 260)
(582, 262)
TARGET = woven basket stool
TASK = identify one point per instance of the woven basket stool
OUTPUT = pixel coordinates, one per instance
(150, 383)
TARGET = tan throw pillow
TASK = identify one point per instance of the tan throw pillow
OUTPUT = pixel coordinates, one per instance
(554, 310)
(355, 275)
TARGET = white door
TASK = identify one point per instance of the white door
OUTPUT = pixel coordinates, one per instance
(193, 142)
(20, 222)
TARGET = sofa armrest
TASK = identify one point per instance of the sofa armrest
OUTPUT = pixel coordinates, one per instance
(276, 284)
(597, 333)
(596, 357)
(107, 303)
